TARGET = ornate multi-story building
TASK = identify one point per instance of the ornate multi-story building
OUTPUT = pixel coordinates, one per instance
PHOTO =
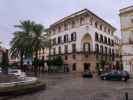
(126, 19)
(43, 54)
(83, 40)
(118, 52)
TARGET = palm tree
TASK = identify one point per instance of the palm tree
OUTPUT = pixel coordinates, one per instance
(39, 41)
(21, 42)
(29, 40)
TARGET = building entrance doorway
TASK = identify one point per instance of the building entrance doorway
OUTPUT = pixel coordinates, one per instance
(86, 66)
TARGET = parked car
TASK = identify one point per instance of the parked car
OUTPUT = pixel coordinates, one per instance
(115, 75)
(17, 72)
(87, 74)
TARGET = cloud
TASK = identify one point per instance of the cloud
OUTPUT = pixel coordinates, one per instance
(48, 11)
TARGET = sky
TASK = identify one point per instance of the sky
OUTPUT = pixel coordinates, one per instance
(47, 12)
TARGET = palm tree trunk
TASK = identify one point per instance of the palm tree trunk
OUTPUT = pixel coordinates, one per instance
(36, 63)
(21, 60)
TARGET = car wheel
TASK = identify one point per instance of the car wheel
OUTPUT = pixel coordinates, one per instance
(104, 78)
(123, 79)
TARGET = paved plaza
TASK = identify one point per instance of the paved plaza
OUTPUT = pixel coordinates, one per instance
(74, 87)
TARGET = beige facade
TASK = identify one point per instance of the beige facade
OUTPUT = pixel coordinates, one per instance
(43, 53)
(126, 19)
(82, 39)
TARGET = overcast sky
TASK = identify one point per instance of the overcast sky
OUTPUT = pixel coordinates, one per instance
(48, 11)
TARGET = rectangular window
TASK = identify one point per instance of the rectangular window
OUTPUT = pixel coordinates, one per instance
(54, 41)
(91, 20)
(86, 47)
(73, 36)
(59, 50)
(101, 27)
(66, 48)
(66, 57)
(105, 29)
(54, 51)
(74, 67)
(74, 56)
(73, 48)
(65, 38)
(59, 40)
(73, 24)
(65, 27)
(82, 20)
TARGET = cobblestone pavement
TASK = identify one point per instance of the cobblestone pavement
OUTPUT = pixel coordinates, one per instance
(74, 87)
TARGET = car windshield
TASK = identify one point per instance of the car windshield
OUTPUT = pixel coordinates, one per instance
(124, 73)
(13, 71)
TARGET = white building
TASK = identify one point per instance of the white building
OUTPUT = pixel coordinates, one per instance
(126, 19)
(82, 39)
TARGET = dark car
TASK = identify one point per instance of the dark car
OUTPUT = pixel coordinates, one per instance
(115, 75)
(87, 74)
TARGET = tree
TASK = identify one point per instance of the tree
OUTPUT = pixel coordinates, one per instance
(39, 41)
(22, 40)
(103, 64)
(55, 63)
(29, 40)
(5, 62)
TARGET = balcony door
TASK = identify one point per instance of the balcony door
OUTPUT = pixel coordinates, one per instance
(86, 47)
(86, 66)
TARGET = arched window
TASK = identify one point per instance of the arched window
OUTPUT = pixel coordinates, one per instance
(109, 51)
(96, 36)
(97, 48)
(109, 42)
(105, 39)
(101, 49)
(106, 50)
(101, 38)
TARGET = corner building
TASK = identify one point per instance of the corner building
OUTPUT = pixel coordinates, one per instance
(82, 39)
(126, 20)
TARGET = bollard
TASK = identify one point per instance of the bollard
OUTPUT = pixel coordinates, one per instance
(126, 95)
